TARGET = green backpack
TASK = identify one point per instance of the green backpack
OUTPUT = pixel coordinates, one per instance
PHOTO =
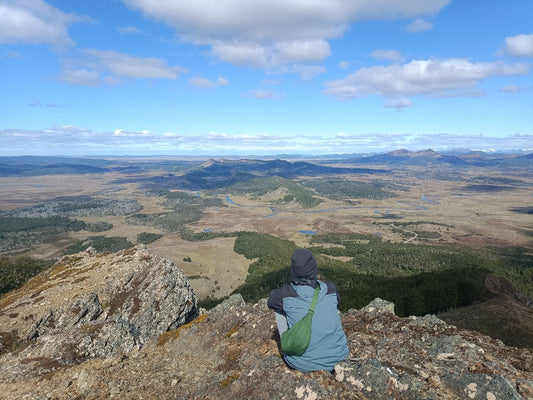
(295, 340)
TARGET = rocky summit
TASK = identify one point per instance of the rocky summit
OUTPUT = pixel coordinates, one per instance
(126, 325)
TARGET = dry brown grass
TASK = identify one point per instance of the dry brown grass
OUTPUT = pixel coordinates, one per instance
(472, 219)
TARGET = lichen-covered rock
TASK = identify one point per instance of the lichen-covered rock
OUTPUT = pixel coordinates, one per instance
(379, 306)
(143, 296)
(84, 309)
(232, 351)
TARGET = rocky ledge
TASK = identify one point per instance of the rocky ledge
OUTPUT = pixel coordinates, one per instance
(94, 344)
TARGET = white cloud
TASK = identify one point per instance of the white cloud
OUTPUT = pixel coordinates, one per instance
(80, 77)
(72, 140)
(344, 65)
(35, 21)
(250, 54)
(132, 134)
(201, 82)
(97, 67)
(449, 77)
(271, 81)
(241, 54)
(308, 72)
(419, 25)
(520, 45)
(511, 89)
(264, 94)
(391, 55)
(14, 54)
(300, 51)
(129, 30)
(398, 103)
(125, 65)
(271, 33)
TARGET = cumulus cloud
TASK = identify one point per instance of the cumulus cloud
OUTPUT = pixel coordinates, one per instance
(520, 45)
(308, 72)
(36, 22)
(80, 77)
(201, 82)
(97, 67)
(391, 55)
(449, 77)
(270, 33)
(272, 57)
(419, 25)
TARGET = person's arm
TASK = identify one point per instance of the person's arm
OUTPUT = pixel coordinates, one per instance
(275, 299)
(333, 289)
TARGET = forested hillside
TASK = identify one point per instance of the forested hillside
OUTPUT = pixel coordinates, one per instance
(419, 279)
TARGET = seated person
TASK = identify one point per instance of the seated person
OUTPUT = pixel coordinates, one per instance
(291, 303)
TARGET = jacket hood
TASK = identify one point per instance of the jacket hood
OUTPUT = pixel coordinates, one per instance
(303, 264)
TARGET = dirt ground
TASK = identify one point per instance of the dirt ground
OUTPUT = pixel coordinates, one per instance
(468, 218)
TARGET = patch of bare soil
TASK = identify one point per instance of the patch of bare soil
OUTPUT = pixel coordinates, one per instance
(324, 226)
(215, 270)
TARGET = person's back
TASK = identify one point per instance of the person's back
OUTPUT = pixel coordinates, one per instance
(328, 344)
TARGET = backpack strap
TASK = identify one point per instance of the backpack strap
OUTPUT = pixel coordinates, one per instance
(315, 298)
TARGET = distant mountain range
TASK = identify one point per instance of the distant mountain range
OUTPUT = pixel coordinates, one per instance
(431, 157)
(230, 170)
(214, 174)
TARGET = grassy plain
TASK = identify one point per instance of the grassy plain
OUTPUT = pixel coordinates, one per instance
(423, 210)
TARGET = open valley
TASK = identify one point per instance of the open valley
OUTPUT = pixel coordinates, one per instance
(417, 210)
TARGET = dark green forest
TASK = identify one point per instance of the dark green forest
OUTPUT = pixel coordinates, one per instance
(15, 271)
(341, 189)
(418, 279)
(261, 186)
(51, 224)
(100, 244)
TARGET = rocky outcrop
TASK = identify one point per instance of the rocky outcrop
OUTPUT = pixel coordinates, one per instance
(133, 297)
(232, 352)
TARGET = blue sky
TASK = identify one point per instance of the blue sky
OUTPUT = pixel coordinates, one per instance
(264, 77)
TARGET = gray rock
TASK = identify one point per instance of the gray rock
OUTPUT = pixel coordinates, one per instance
(150, 301)
(375, 380)
(480, 386)
(235, 301)
(85, 308)
(379, 306)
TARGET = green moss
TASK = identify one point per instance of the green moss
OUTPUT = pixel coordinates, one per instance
(174, 334)
(229, 380)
